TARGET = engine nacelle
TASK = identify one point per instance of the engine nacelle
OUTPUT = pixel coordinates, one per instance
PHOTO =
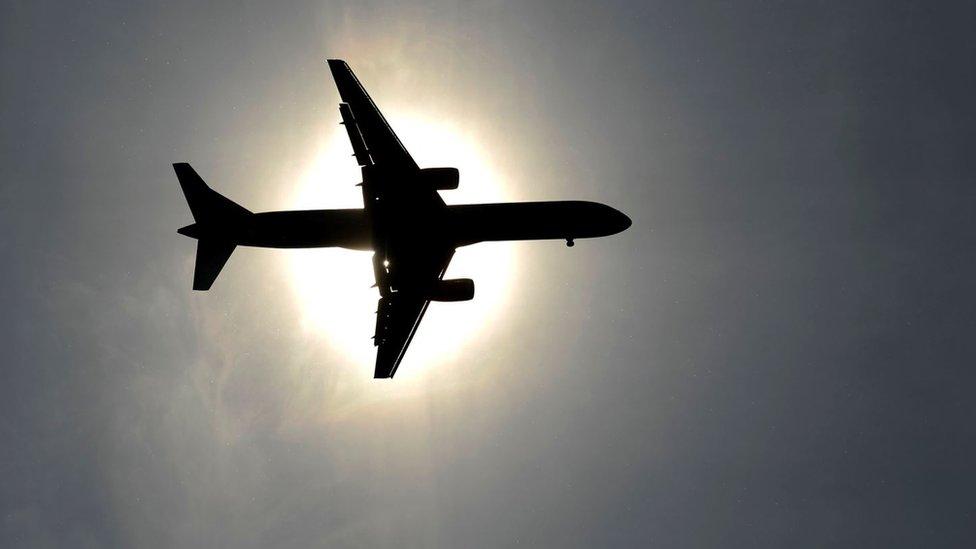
(440, 179)
(459, 289)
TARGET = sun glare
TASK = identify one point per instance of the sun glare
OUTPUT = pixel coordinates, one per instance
(333, 285)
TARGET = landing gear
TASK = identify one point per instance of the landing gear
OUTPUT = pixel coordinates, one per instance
(570, 243)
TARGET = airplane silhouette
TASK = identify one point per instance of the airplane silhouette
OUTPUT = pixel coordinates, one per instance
(413, 234)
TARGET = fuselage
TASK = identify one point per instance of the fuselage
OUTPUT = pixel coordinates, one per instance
(460, 225)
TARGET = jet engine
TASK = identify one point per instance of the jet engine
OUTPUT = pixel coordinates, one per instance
(460, 289)
(440, 179)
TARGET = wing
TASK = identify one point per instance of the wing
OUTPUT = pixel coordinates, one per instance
(399, 313)
(381, 144)
(406, 219)
(397, 319)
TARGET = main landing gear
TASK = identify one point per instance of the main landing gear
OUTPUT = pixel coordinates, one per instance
(570, 243)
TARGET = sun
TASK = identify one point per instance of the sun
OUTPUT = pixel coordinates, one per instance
(333, 285)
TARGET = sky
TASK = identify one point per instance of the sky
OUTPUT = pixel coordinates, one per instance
(779, 351)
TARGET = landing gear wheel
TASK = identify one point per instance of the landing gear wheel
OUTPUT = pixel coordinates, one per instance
(570, 243)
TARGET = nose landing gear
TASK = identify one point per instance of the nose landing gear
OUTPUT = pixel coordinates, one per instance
(570, 243)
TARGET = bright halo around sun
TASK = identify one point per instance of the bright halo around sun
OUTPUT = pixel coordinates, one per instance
(333, 285)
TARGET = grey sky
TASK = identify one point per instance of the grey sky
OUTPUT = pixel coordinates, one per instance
(779, 351)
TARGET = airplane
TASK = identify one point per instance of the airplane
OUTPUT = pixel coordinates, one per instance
(404, 221)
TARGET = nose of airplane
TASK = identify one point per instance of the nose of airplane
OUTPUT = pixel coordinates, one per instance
(620, 221)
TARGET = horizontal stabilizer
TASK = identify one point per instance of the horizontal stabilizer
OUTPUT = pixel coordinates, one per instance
(211, 257)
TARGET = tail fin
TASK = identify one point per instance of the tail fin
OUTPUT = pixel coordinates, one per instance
(216, 218)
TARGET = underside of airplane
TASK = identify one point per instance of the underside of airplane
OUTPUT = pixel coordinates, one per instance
(413, 234)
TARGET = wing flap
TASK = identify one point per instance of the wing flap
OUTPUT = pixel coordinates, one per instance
(355, 136)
